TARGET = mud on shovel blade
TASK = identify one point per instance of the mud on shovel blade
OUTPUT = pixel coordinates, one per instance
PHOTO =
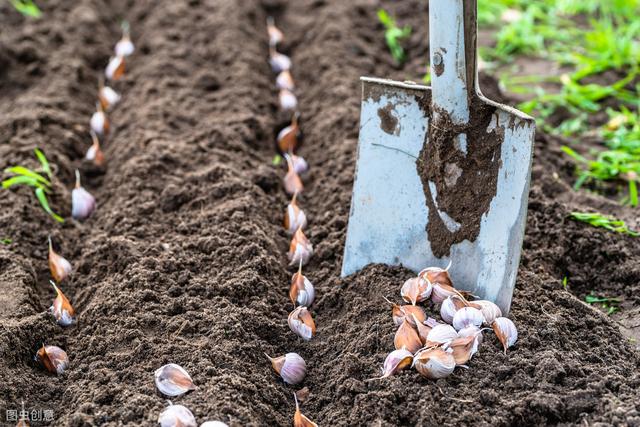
(442, 173)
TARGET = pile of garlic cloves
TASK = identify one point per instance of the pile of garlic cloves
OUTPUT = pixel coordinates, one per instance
(433, 348)
(291, 367)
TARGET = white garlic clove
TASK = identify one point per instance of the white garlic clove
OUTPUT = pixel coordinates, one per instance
(292, 182)
(279, 62)
(300, 165)
(301, 323)
(275, 35)
(82, 202)
(441, 292)
(506, 332)
(284, 80)
(467, 316)
(214, 424)
(407, 337)
(448, 310)
(61, 309)
(94, 153)
(301, 291)
(396, 361)
(108, 97)
(289, 137)
(300, 249)
(463, 349)
(115, 68)
(288, 100)
(489, 310)
(472, 331)
(99, 121)
(437, 275)
(423, 330)
(441, 334)
(177, 416)
(60, 268)
(434, 363)
(410, 312)
(53, 358)
(291, 367)
(294, 217)
(124, 47)
(415, 290)
(173, 380)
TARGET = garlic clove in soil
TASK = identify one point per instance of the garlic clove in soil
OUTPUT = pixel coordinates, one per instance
(450, 306)
(173, 380)
(292, 182)
(441, 334)
(301, 291)
(396, 361)
(434, 363)
(467, 316)
(214, 424)
(284, 80)
(107, 96)
(416, 290)
(54, 359)
(291, 367)
(437, 275)
(288, 100)
(301, 323)
(410, 312)
(94, 153)
(289, 137)
(115, 68)
(61, 309)
(60, 268)
(490, 311)
(300, 249)
(407, 337)
(300, 420)
(441, 292)
(99, 121)
(294, 217)
(177, 416)
(463, 349)
(506, 332)
(300, 165)
(423, 330)
(472, 331)
(125, 46)
(279, 62)
(275, 35)
(82, 202)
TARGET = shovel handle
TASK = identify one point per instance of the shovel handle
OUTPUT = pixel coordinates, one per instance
(452, 47)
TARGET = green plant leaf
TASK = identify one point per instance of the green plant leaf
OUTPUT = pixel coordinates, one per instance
(21, 180)
(27, 8)
(44, 162)
(42, 198)
(21, 170)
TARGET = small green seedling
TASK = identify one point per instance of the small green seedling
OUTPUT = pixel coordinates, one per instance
(610, 304)
(394, 35)
(565, 282)
(27, 8)
(277, 160)
(6, 241)
(603, 221)
(34, 179)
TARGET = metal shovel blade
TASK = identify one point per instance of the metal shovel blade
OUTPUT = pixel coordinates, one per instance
(442, 173)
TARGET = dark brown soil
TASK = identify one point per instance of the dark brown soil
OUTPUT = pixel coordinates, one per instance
(184, 259)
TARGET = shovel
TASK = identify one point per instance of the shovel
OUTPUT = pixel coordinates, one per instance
(442, 172)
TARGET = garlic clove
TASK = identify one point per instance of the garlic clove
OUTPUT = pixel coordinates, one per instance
(441, 292)
(279, 62)
(94, 153)
(288, 100)
(177, 416)
(301, 291)
(61, 309)
(300, 249)
(214, 424)
(108, 97)
(289, 138)
(173, 380)
(301, 323)
(448, 309)
(284, 80)
(506, 332)
(423, 330)
(475, 332)
(396, 361)
(291, 367)
(407, 337)
(490, 311)
(60, 268)
(467, 316)
(275, 35)
(54, 359)
(463, 349)
(115, 68)
(410, 312)
(23, 423)
(437, 275)
(99, 121)
(441, 334)
(300, 165)
(294, 217)
(124, 47)
(82, 202)
(434, 363)
(299, 420)
(415, 290)
(292, 182)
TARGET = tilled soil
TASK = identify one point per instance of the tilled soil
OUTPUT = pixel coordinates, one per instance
(184, 259)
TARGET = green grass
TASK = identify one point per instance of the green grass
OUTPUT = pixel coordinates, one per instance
(603, 221)
(21, 175)
(27, 8)
(394, 35)
(611, 304)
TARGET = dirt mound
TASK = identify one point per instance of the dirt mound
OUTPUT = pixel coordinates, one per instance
(184, 259)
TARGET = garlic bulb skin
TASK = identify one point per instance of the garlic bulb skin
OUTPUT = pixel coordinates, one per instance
(300, 165)
(441, 292)
(279, 62)
(172, 380)
(60, 268)
(506, 332)
(291, 367)
(434, 363)
(177, 416)
(301, 291)
(448, 310)
(115, 68)
(437, 275)
(61, 309)
(396, 361)
(294, 217)
(284, 80)
(472, 331)
(490, 311)
(441, 334)
(108, 97)
(99, 123)
(407, 337)
(124, 47)
(301, 323)
(53, 358)
(467, 316)
(415, 290)
(300, 249)
(287, 100)
(82, 202)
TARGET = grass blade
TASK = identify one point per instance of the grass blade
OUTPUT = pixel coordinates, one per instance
(21, 170)
(44, 162)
